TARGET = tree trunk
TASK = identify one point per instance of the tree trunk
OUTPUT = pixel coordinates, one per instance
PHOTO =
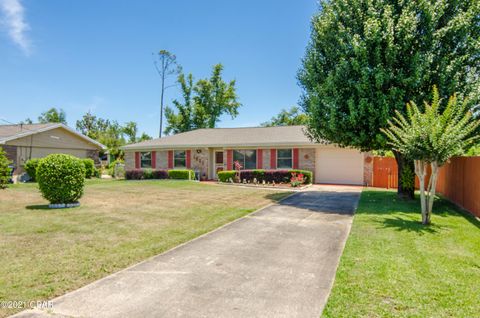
(432, 190)
(421, 171)
(403, 163)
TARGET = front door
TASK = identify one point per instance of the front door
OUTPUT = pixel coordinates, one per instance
(218, 162)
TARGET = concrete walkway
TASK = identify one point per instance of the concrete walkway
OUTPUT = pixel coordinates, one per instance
(277, 262)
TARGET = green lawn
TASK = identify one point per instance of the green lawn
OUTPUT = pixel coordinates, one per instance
(392, 266)
(45, 253)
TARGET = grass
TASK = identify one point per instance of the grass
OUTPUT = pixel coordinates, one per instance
(393, 266)
(45, 253)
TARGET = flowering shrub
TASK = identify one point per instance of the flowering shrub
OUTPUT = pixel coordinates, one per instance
(296, 179)
(270, 176)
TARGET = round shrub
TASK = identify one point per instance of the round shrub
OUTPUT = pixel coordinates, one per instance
(89, 167)
(61, 178)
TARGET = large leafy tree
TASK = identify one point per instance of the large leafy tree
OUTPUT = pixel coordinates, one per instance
(366, 59)
(431, 137)
(203, 102)
(53, 115)
(287, 117)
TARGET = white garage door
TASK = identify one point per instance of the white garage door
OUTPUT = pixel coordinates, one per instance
(338, 166)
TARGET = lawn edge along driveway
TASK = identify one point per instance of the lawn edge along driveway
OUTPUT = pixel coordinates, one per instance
(277, 261)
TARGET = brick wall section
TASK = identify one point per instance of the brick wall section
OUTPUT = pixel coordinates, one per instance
(200, 161)
(368, 169)
(306, 159)
(266, 158)
(129, 159)
(162, 159)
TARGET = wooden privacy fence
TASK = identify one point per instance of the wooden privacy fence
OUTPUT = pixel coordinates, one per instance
(458, 180)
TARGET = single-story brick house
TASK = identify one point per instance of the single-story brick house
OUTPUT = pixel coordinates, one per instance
(25, 141)
(286, 147)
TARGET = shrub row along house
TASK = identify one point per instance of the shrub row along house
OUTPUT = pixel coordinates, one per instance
(208, 151)
(23, 142)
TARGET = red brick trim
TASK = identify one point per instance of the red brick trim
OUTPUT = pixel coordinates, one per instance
(170, 159)
(229, 159)
(273, 158)
(188, 158)
(259, 159)
(154, 159)
(137, 160)
(295, 158)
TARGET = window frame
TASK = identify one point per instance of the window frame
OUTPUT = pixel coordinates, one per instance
(243, 161)
(175, 157)
(284, 158)
(143, 161)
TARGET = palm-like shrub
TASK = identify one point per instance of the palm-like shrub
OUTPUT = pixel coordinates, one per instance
(61, 178)
(431, 137)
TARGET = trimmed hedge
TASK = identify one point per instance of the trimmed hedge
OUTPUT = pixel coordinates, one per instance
(277, 176)
(61, 178)
(89, 167)
(181, 174)
(31, 168)
(224, 176)
(139, 174)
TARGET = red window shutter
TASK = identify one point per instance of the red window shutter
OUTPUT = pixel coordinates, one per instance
(137, 160)
(188, 155)
(273, 158)
(154, 159)
(170, 159)
(295, 158)
(259, 159)
(229, 159)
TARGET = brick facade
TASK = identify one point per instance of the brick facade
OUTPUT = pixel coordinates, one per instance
(200, 161)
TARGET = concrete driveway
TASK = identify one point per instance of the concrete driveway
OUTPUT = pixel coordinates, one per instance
(277, 262)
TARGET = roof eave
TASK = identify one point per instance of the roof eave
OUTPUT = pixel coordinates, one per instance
(173, 146)
(59, 125)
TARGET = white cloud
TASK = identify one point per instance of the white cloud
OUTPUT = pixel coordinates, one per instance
(13, 19)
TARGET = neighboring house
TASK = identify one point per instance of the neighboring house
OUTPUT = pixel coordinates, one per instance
(210, 150)
(25, 141)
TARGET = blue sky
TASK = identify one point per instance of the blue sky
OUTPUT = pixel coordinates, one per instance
(96, 55)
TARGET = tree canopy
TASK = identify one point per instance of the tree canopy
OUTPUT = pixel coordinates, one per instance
(53, 115)
(366, 59)
(110, 133)
(287, 117)
(203, 102)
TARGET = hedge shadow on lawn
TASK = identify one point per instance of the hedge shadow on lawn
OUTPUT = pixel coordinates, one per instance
(37, 207)
(384, 203)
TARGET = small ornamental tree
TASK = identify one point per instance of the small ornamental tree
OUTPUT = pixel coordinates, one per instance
(4, 169)
(61, 178)
(431, 137)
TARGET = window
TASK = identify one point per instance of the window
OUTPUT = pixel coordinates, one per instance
(180, 159)
(284, 158)
(219, 157)
(247, 158)
(145, 159)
